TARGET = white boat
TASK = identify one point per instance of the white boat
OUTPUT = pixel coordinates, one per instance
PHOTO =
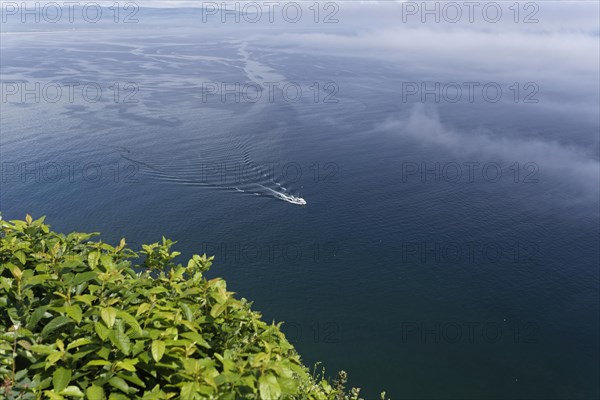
(296, 200)
(290, 198)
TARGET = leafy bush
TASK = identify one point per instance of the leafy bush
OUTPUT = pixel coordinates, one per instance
(78, 319)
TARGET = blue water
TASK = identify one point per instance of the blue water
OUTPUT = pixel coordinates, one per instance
(413, 280)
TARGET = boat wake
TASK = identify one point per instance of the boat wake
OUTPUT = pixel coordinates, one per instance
(239, 145)
(287, 197)
(253, 188)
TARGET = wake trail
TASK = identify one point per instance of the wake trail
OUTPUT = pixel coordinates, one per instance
(251, 188)
(255, 72)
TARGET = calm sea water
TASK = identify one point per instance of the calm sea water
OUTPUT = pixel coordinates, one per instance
(448, 250)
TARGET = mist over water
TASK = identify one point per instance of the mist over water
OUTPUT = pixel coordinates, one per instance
(450, 245)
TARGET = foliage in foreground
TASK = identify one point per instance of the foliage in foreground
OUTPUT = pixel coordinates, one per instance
(78, 319)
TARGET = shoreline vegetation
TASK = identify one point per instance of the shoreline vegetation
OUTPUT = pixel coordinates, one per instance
(85, 319)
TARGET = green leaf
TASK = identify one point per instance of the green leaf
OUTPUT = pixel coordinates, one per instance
(217, 310)
(36, 316)
(187, 311)
(158, 350)
(53, 396)
(143, 308)
(79, 342)
(189, 390)
(196, 337)
(93, 259)
(268, 387)
(119, 383)
(104, 352)
(39, 221)
(53, 358)
(127, 364)
(22, 374)
(60, 379)
(118, 396)
(84, 277)
(120, 339)
(260, 359)
(131, 377)
(73, 391)
(74, 312)
(130, 320)
(37, 280)
(85, 298)
(107, 259)
(55, 324)
(101, 330)
(288, 385)
(109, 315)
(42, 349)
(95, 393)
(22, 257)
(96, 363)
(16, 272)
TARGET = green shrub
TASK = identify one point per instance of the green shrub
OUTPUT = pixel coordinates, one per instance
(79, 320)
